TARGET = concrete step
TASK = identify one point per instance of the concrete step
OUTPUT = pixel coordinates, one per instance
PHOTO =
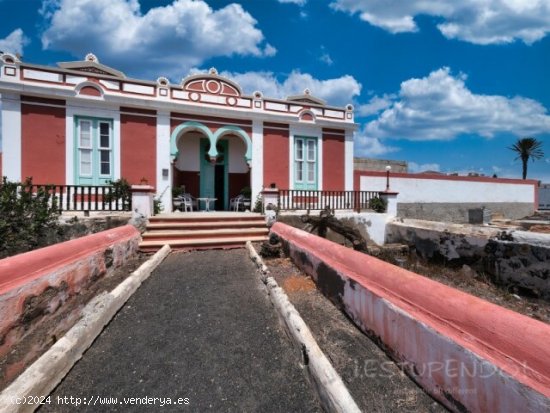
(204, 233)
(206, 217)
(200, 243)
(218, 224)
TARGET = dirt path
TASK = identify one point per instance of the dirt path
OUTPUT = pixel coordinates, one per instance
(200, 332)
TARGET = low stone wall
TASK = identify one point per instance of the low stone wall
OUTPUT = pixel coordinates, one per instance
(34, 285)
(515, 259)
(468, 353)
(459, 212)
(371, 225)
(80, 226)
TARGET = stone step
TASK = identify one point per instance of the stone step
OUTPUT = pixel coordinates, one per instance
(153, 225)
(206, 217)
(199, 243)
(204, 233)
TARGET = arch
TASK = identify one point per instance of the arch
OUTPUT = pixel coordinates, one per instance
(307, 115)
(191, 126)
(235, 130)
(212, 137)
(88, 88)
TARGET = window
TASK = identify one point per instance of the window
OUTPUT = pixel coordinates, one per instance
(94, 157)
(305, 163)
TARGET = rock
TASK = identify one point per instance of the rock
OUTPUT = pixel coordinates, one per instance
(467, 272)
(138, 220)
(270, 217)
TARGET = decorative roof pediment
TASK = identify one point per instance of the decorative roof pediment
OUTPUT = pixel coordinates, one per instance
(91, 65)
(306, 98)
(211, 83)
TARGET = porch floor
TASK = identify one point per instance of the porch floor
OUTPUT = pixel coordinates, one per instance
(209, 214)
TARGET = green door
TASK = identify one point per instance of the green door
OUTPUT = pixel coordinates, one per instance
(214, 177)
(207, 172)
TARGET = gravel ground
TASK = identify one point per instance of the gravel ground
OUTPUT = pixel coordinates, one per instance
(201, 329)
(373, 379)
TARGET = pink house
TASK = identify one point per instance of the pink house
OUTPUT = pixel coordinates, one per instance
(83, 123)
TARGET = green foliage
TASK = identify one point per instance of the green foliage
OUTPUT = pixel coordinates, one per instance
(527, 148)
(26, 214)
(377, 204)
(258, 205)
(246, 192)
(157, 206)
(177, 191)
(121, 190)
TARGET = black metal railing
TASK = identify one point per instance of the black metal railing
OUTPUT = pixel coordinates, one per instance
(83, 197)
(296, 199)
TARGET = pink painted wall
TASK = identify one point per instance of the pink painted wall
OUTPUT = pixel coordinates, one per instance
(276, 147)
(333, 160)
(43, 141)
(466, 352)
(138, 148)
(65, 268)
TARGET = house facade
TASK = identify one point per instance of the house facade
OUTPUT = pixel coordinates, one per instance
(83, 123)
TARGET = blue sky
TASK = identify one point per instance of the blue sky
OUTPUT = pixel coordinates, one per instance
(446, 85)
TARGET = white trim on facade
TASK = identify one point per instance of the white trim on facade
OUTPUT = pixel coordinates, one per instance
(164, 183)
(42, 75)
(257, 170)
(11, 136)
(348, 161)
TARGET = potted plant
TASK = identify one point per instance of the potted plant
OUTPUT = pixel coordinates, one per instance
(377, 204)
(246, 192)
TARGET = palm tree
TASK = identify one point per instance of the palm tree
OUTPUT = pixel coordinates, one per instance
(527, 148)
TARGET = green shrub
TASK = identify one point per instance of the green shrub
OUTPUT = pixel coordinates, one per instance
(246, 192)
(25, 216)
(258, 205)
(121, 190)
(177, 191)
(377, 204)
(157, 206)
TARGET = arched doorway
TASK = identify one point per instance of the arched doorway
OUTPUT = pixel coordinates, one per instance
(213, 165)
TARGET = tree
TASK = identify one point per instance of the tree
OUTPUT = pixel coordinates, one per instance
(527, 148)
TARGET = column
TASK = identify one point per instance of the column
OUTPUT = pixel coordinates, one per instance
(11, 136)
(348, 163)
(257, 164)
(164, 166)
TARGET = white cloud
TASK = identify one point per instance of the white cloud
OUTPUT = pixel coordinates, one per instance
(367, 146)
(441, 107)
(325, 58)
(475, 21)
(415, 167)
(14, 42)
(298, 2)
(167, 40)
(338, 91)
(375, 105)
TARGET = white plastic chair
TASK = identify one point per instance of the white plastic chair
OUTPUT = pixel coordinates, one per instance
(236, 202)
